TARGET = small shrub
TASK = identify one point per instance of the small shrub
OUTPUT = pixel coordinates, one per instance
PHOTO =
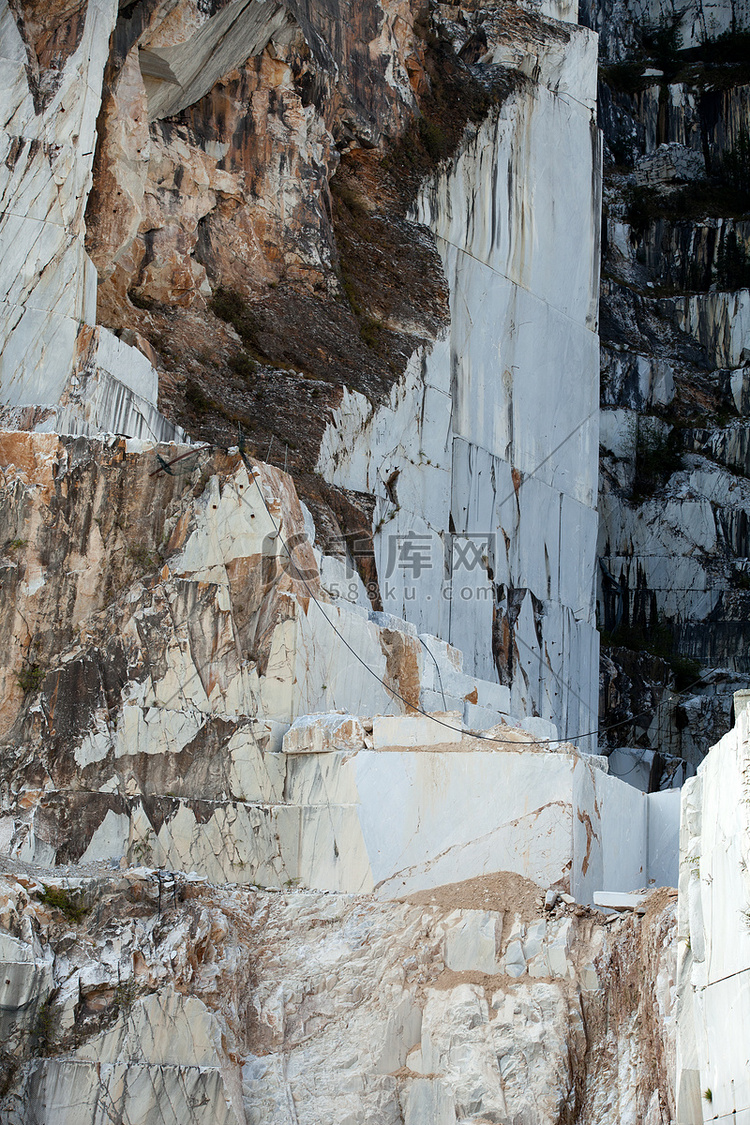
(140, 300)
(44, 1031)
(663, 44)
(125, 995)
(626, 78)
(232, 308)
(434, 139)
(741, 579)
(243, 365)
(370, 332)
(350, 292)
(17, 544)
(67, 902)
(31, 678)
(142, 851)
(643, 207)
(735, 165)
(657, 456)
(707, 1094)
(714, 198)
(686, 671)
(143, 557)
(654, 639)
(195, 398)
(729, 47)
(733, 264)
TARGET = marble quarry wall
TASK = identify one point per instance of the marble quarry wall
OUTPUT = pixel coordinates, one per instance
(619, 22)
(302, 819)
(713, 1041)
(57, 370)
(153, 722)
(672, 584)
(495, 434)
(479, 465)
(171, 998)
(150, 729)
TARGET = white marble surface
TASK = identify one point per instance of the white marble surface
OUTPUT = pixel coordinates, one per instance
(417, 812)
(714, 971)
(720, 323)
(48, 357)
(49, 285)
(496, 425)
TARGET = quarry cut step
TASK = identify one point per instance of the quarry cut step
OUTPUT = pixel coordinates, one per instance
(245, 770)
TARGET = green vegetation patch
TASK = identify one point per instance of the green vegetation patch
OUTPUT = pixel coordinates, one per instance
(69, 903)
(46, 1025)
(656, 640)
(658, 454)
(711, 199)
(31, 677)
(718, 64)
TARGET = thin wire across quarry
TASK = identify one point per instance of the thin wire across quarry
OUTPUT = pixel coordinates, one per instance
(410, 706)
(165, 466)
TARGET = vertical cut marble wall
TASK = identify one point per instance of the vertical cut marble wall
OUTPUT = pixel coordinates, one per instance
(47, 281)
(74, 377)
(713, 1045)
(485, 460)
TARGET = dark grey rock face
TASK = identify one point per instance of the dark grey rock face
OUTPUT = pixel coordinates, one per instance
(674, 101)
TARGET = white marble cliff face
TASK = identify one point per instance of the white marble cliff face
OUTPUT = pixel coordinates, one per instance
(714, 937)
(49, 284)
(494, 430)
(58, 372)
